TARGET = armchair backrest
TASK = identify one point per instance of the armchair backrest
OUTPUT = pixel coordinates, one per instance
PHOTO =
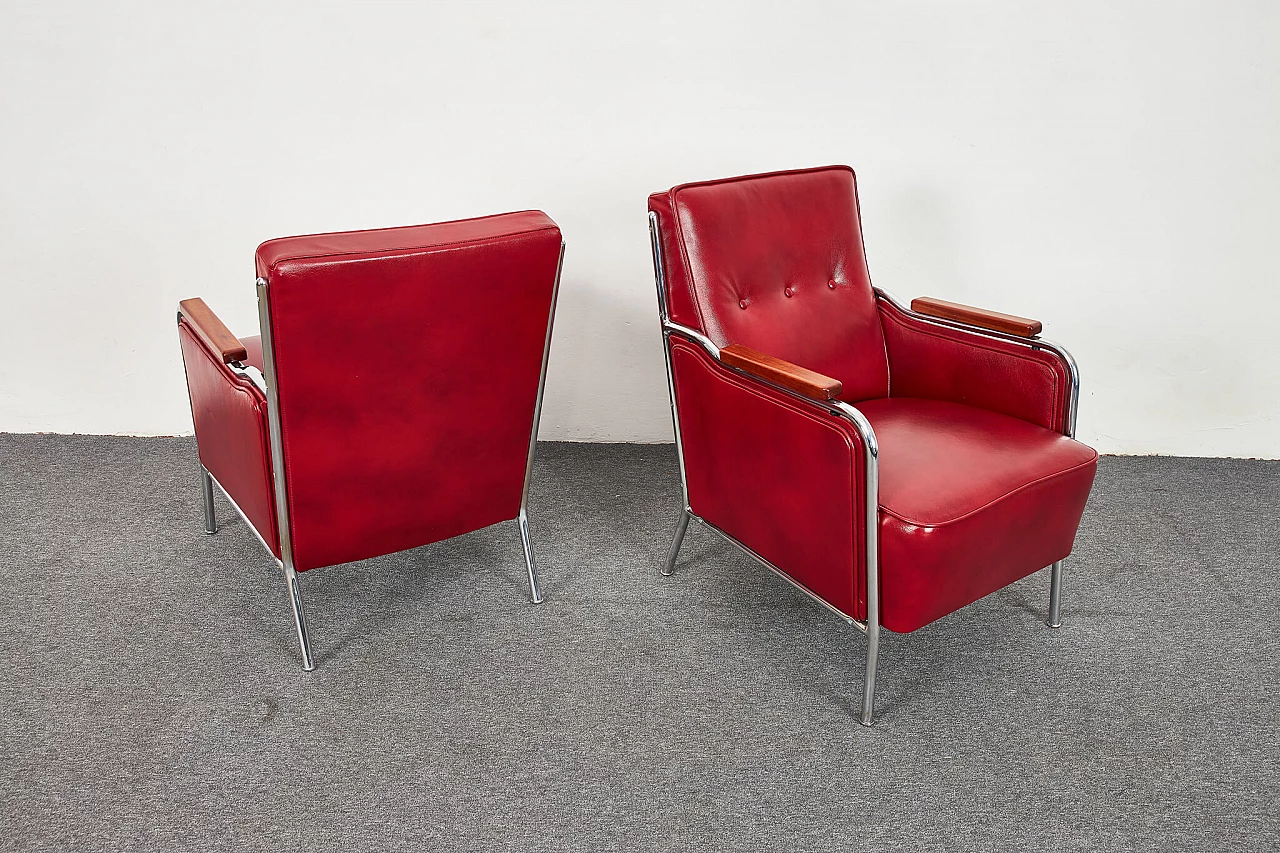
(407, 363)
(775, 262)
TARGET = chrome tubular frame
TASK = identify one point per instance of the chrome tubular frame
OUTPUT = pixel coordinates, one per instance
(535, 586)
(251, 373)
(278, 475)
(1069, 429)
(871, 475)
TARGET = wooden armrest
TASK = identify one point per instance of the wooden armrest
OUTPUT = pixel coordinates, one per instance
(815, 386)
(211, 331)
(994, 320)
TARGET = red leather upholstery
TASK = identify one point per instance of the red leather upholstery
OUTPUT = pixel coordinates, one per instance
(774, 473)
(775, 262)
(230, 416)
(970, 501)
(407, 361)
(978, 486)
(928, 360)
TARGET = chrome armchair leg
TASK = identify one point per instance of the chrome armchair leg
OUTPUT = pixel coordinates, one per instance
(1055, 595)
(682, 524)
(869, 679)
(299, 617)
(206, 489)
(535, 587)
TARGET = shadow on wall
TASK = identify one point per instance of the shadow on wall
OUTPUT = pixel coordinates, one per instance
(607, 380)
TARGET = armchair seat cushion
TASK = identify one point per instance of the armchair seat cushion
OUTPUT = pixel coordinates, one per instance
(970, 501)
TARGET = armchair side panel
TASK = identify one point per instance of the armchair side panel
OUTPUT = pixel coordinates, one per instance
(230, 417)
(779, 476)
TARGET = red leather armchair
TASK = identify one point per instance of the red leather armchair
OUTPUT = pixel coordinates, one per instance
(894, 464)
(393, 397)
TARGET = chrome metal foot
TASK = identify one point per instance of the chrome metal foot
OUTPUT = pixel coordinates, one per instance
(206, 489)
(869, 678)
(535, 587)
(299, 617)
(1055, 595)
(682, 524)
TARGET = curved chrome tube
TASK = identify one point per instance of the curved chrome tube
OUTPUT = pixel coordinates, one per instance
(871, 472)
(871, 456)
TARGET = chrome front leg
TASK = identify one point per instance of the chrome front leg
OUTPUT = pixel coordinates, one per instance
(1055, 595)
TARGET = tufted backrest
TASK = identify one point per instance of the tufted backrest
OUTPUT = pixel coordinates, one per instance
(775, 262)
(407, 362)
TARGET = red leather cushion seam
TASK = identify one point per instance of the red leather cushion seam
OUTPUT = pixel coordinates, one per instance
(416, 249)
(993, 501)
(411, 227)
(786, 404)
(978, 343)
(739, 178)
(748, 385)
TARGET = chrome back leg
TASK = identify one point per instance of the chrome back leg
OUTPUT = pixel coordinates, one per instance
(682, 524)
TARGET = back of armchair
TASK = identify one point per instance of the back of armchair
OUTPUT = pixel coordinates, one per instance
(407, 364)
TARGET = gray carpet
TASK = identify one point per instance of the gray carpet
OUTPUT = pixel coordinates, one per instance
(151, 697)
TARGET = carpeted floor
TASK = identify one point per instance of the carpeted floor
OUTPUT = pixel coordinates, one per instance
(151, 697)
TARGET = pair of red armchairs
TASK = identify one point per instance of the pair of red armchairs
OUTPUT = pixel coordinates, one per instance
(894, 464)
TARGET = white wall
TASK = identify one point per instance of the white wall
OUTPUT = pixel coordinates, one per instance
(1110, 168)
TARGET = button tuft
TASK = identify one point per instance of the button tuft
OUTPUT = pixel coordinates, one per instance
(788, 291)
(742, 303)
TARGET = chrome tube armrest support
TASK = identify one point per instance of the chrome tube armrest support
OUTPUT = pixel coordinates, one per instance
(838, 408)
(253, 374)
(693, 335)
